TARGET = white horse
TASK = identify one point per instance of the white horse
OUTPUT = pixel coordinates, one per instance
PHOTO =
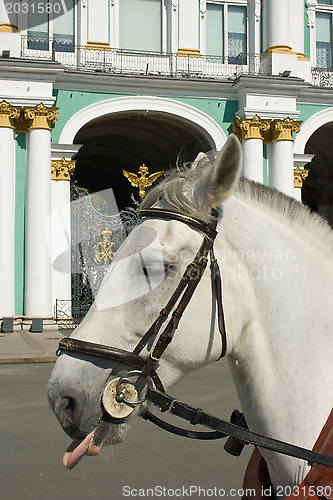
(277, 271)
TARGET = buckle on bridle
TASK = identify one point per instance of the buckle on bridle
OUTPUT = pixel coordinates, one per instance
(120, 395)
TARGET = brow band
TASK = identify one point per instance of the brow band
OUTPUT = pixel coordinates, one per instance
(168, 214)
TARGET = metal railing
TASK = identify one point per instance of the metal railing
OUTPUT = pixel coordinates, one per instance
(130, 62)
(322, 77)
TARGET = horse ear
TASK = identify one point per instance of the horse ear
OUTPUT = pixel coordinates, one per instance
(227, 171)
(218, 179)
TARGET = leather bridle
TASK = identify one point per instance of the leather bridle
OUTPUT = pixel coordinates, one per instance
(173, 310)
(171, 315)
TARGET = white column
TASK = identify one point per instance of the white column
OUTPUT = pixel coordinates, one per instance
(297, 27)
(277, 27)
(61, 229)
(282, 173)
(252, 132)
(9, 34)
(38, 264)
(7, 209)
(253, 159)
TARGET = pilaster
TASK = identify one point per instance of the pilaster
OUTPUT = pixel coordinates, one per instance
(60, 221)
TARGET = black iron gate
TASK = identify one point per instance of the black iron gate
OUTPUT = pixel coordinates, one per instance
(98, 230)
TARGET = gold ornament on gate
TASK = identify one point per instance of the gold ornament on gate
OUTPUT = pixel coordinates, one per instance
(105, 254)
(143, 179)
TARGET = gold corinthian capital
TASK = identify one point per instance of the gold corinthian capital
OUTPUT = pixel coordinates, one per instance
(62, 170)
(282, 130)
(8, 115)
(255, 128)
(40, 117)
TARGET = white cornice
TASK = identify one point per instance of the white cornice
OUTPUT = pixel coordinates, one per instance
(145, 85)
(18, 69)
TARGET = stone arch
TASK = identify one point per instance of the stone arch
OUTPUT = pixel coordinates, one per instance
(184, 112)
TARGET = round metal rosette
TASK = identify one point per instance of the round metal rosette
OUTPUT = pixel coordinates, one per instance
(115, 393)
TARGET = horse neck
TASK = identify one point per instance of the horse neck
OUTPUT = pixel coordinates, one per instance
(281, 353)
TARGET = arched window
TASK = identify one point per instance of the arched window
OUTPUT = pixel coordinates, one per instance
(140, 25)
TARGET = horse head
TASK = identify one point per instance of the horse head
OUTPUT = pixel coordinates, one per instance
(137, 285)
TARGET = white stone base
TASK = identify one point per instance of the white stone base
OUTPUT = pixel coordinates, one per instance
(48, 323)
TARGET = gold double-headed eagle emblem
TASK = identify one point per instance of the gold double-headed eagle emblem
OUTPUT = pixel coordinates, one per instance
(143, 179)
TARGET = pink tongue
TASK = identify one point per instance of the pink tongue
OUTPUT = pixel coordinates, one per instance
(77, 449)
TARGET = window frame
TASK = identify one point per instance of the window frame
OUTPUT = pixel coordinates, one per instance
(324, 9)
(225, 4)
(44, 45)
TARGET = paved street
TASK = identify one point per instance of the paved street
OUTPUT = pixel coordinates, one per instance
(32, 446)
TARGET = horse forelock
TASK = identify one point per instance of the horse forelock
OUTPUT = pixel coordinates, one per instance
(176, 190)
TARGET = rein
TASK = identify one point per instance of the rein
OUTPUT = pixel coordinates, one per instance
(174, 311)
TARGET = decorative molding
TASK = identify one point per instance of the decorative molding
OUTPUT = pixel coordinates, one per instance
(98, 45)
(283, 49)
(300, 174)
(8, 28)
(282, 130)
(257, 10)
(62, 170)
(255, 128)
(40, 117)
(311, 12)
(188, 52)
(8, 115)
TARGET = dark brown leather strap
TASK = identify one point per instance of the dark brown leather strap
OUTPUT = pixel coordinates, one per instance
(107, 352)
(205, 227)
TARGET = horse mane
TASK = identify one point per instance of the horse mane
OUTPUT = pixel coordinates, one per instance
(175, 191)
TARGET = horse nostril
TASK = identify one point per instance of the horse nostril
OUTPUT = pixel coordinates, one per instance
(68, 411)
(67, 405)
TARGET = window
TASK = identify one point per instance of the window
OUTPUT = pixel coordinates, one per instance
(56, 25)
(63, 29)
(214, 28)
(140, 25)
(325, 2)
(324, 40)
(237, 34)
(38, 27)
(226, 28)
